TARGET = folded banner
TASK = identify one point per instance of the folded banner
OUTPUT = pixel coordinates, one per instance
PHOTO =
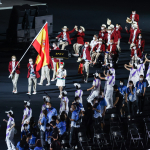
(41, 44)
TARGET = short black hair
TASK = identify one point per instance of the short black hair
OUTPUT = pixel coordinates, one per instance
(131, 81)
(89, 105)
(54, 118)
(141, 76)
(55, 136)
(53, 123)
(47, 124)
(77, 97)
(122, 80)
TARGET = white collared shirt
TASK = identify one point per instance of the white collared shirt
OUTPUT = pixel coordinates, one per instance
(13, 65)
(110, 47)
(139, 43)
(133, 17)
(134, 34)
(109, 36)
(64, 36)
(84, 53)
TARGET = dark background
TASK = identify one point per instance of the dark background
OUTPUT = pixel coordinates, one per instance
(90, 14)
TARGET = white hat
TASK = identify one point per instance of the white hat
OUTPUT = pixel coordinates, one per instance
(96, 74)
(27, 103)
(47, 98)
(79, 59)
(109, 28)
(10, 111)
(103, 25)
(112, 26)
(100, 39)
(132, 44)
(108, 21)
(128, 20)
(77, 84)
(65, 92)
(82, 28)
(65, 27)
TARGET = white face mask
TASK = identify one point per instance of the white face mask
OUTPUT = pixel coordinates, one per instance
(54, 45)
(70, 109)
(47, 106)
(140, 37)
(86, 45)
(93, 38)
(117, 27)
(133, 28)
(109, 31)
(121, 83)
(96, 101)
(133, 13)
(110, 43)
(134, 47)
(130, 85)
(30, 62)
(77, 101)
(141, 79)
(13, 59)
(64, 30)
(61, 66)
(80, 31)
(102, 28)
(47, 128)
(100, 42)
(26, 128)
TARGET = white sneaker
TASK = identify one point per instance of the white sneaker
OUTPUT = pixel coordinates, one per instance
(53, 80)
(28, 93)
(137, 111)
(40, 84)
(15, 92)
(34, 93)
(76, 147)
(75, 55)
(47, 84)
(85, 81)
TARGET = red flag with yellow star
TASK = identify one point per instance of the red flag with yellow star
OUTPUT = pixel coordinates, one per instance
(41, 44)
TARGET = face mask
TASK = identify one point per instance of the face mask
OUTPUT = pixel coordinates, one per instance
(121, 83)
(100, 42)
(110, 43)
(133, 13)
(47, 106)
(93, 38)
(7, 115)
(130, 85)
(13, 59)
(133, 28)
(30, 62)
(141, 79)
(117, 27)
(47, 128)
(53, 45)
(102, 28)
(140, 37)
(96, 101)
(26, 128)
(109, 31)
(61, 67)
(80, 31)
(64, 30)
(86, 45)
(134, 47)
(70, 109)
(77, 101)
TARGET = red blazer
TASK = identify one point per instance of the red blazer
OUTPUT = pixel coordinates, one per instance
(55, 59)
(113, 36)
(136, 17)
(113, 50)
(136, 35)
(138, 51)
(88, 49)
(10, 67)
(80, 69)
(50, 65)
(142, 44)
(101, 49)
(80, 38)
(100, 35)
(118, 32)
(67, 33)
(36, 72)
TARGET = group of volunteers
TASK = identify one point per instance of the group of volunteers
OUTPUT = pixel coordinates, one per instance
(55, 125)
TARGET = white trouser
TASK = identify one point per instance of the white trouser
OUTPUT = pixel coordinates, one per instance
(118, 45)
(14, 81)
(64, 44)
(92, 96)
(107, 58)
(109, 98)
(86, 66)
(54, 70)
(10, 143)
(30, 84)
(76, 47)
(45, 74)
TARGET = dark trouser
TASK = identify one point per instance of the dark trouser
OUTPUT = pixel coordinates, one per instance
(97, 120)
(140, 102)
(42, 136)
(119, 106)
(130, 106)
(73, 131)
(47, 146)
(89, 132)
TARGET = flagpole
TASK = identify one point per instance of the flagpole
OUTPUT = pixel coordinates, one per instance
(26, 50)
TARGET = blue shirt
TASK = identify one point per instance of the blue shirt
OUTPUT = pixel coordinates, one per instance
(141, 86)
(44, 121)
(131, 97)
(103, 103)
(75, 117)
(97, 114)
(22, 148)
(38, 148)
(33, 140)
(122, 90)
(79, 106)
(62, 127)
(51, 112)
(48, 133)
(24, 132)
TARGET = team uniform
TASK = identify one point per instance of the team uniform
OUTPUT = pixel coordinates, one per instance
(141, 69)
(148, 75)
(51, 112)
(62, 127)
(79, 93)
(62, 105)
(95, 92)
(97, 115)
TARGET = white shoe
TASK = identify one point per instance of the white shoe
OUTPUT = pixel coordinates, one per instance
(47, 84)
(76, 147)
(29, 93)
(40, 84)
(34, 93)
(15, 92)
(53, 80)
(85, 81)
(75, 55)
(137, 111)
